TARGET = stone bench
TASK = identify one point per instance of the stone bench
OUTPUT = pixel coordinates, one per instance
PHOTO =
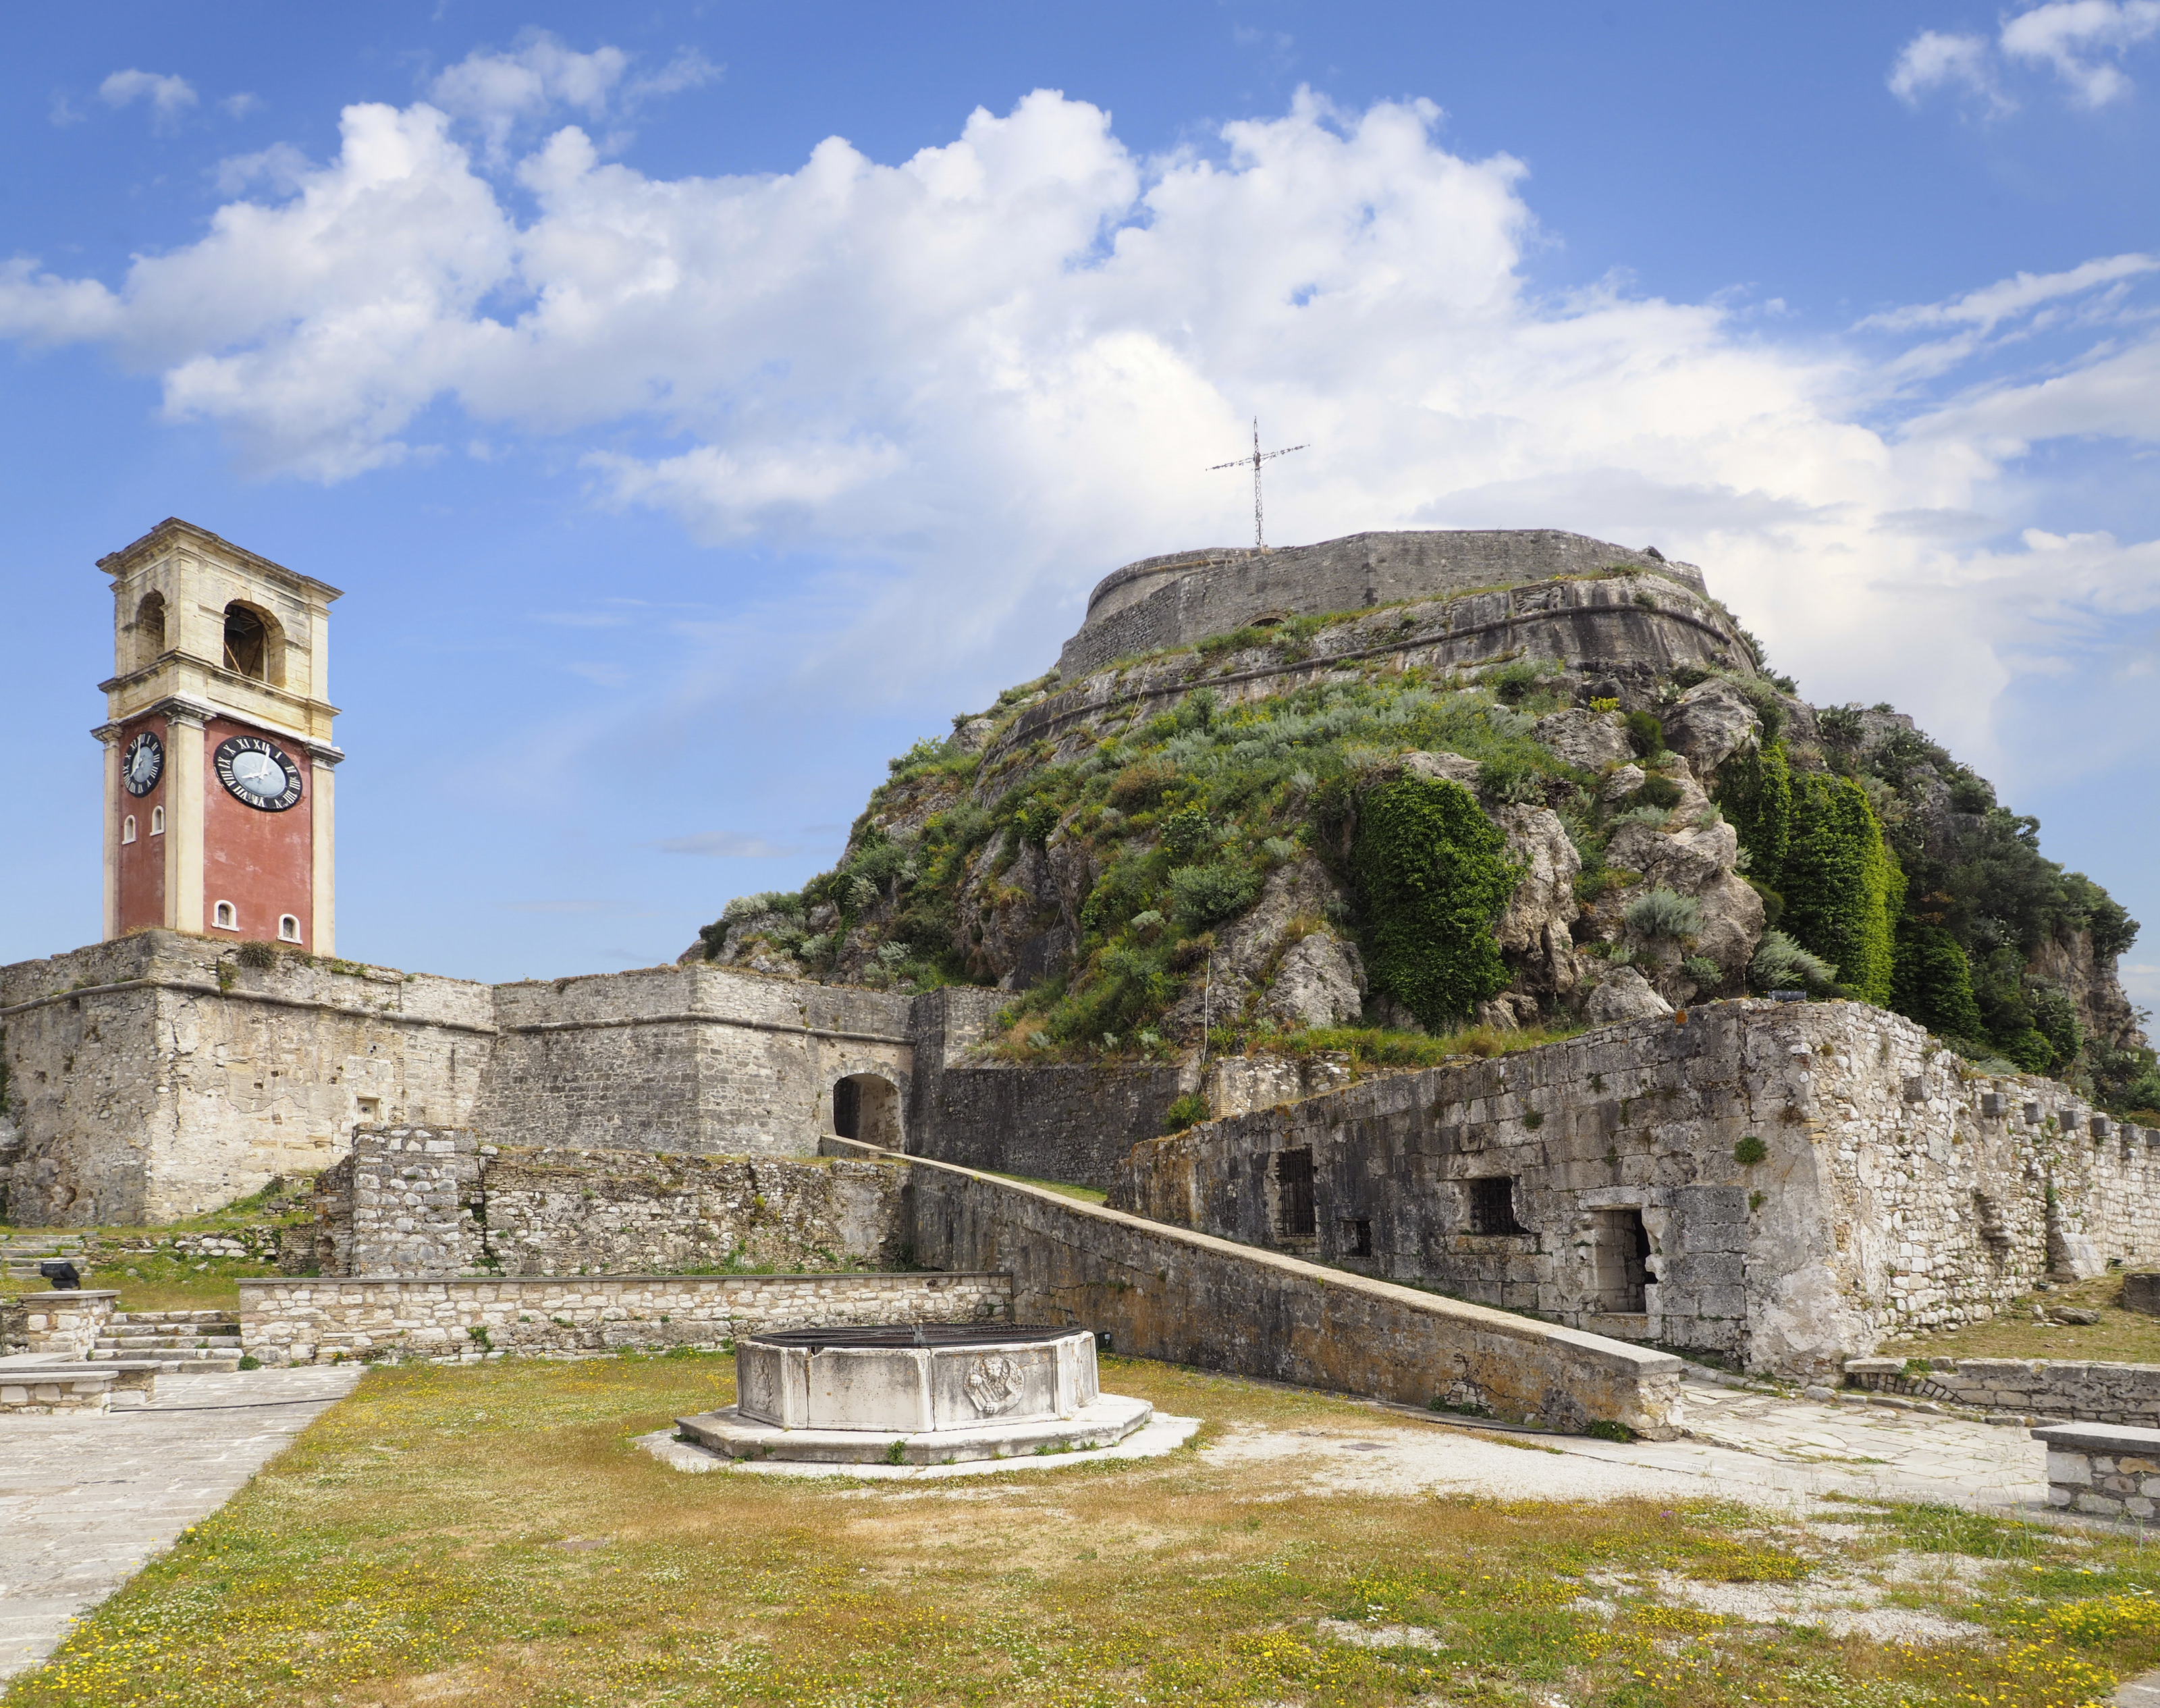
(2108, 1470)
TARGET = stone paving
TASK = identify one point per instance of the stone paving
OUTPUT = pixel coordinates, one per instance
(85, 1499)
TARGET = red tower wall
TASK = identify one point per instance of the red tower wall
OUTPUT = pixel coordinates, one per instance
(143, 861)
(262, 862)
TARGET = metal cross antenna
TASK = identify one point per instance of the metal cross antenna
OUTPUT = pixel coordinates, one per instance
(1257, 457)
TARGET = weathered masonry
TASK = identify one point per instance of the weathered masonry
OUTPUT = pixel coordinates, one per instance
(162, 1074)
(1781, 1184)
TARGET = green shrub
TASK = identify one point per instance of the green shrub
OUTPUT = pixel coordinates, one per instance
(1755, 790)
(1186, 1111)
(1432, 876)
(1749, 1151)
(1706, 974)
(257, 955)
(1657, 792)
(1199, 896)
(1664, 913)
(1187, 832)
(1781, 964)
(1140, 785)
(1511, 778)
(1842, 883)
(1645, 734)
(1126, 987)
(1513, 682)
(1931, 982)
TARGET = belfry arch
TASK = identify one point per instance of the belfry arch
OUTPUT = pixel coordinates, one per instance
(254, 644)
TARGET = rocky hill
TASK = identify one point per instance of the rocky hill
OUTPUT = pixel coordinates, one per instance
(1557, 802)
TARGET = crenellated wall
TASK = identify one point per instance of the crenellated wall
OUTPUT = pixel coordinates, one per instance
(1895, 1190)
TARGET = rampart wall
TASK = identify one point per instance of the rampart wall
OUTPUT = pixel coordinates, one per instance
(1895, 1191)
(159, 1075)
(1181, 598)
(1641, 621)
(1169, 1293)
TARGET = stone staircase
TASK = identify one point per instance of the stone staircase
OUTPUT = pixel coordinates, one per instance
(20, 1253)
(200, 1340)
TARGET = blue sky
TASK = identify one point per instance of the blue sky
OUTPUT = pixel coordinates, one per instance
(699, 403)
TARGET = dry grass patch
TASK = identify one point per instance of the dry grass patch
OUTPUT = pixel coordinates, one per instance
(2120, 1336)
(489, 1536)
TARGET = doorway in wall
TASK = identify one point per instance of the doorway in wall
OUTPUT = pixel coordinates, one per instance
(1622, 1251)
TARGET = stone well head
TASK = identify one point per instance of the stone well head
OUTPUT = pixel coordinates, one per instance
(914, 1378)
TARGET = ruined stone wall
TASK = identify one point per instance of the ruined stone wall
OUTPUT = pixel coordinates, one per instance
(309, 1322)
(1168, 1293)
(431, 1202)
(1894, 1190)
(1174, 600)
(155, 1077)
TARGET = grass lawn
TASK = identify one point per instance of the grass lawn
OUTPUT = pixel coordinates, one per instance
(2120, 1337)
(488, 1536)
(167, 1280)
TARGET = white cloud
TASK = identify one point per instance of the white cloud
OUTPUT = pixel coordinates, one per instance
(2080, 41)
(1933, 59)
(981, 377)
(169, 97)
(2070, 37)
(503, 92)
(240, 104)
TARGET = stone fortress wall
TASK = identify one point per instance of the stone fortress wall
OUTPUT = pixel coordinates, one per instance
(1176, 600)
(1895, 1190)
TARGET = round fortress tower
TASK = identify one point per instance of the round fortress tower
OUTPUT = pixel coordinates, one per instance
(1183, 597)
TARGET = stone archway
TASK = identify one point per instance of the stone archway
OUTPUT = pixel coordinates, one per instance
(866, 1107)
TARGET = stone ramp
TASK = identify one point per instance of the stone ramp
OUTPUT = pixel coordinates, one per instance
(85, 1500)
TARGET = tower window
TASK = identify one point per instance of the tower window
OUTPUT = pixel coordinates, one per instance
(251, 644)
(149, 630)
(127, 828)
(224, 917)
(157, 821)
(288, 929)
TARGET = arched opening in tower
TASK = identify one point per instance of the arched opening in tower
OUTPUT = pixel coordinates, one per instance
(248, 642)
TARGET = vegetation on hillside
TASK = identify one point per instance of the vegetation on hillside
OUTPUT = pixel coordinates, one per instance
(1887, 871)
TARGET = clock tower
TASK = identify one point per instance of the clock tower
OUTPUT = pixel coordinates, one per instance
(218, 758)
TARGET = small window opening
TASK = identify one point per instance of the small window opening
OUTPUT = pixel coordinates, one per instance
(224, 917)
(1357, 1236)
(246, 643)
(1624, 1262)
(1294, 1217)
(1492, 1206)
(127, 828)
(371, 1110)
(157, 821)
(288, 929)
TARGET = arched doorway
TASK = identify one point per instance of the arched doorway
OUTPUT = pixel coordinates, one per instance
(866, 1107)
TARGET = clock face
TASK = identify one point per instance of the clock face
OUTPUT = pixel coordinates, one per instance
(143, 763)
(255, 771)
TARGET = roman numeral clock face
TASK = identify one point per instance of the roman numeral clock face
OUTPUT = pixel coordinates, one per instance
(258, 773)
(143, 763)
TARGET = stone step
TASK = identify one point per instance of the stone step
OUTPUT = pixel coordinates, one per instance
(156, 1318)
(119, 1343)
(197, 1359)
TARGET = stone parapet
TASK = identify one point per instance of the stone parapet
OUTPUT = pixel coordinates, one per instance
(2108, 1470)
(60, 1325)
(2128, 1395)
(1188, 1298)
(397, 1319)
